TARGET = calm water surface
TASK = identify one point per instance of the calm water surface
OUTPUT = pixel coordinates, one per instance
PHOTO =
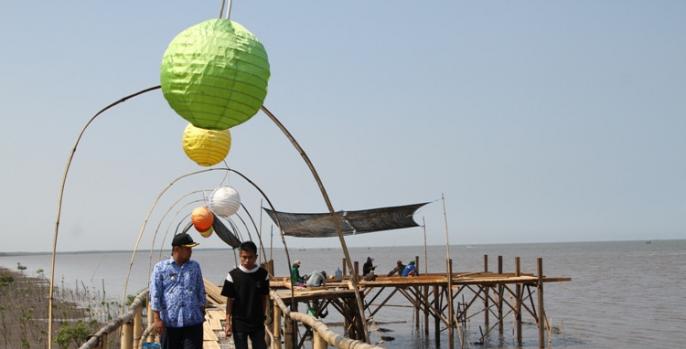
(622, 294)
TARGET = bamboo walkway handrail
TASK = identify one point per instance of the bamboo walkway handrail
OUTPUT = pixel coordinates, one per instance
(332, 338)
(113, 325)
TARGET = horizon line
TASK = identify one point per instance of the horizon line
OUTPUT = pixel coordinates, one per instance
(24, 253)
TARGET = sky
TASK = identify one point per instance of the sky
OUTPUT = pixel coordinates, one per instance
(539, 121)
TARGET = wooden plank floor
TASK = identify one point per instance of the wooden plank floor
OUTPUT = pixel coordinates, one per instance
(337, 289)
(215, 315)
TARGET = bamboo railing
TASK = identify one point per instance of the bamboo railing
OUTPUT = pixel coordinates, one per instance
(322, 336)
(130, 323)
(133, 333)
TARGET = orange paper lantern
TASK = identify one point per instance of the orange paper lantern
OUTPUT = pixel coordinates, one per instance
(202, 218)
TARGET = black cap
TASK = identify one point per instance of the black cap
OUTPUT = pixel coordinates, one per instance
(184, 240)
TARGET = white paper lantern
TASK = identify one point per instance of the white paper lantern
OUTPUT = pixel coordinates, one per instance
(225, 201)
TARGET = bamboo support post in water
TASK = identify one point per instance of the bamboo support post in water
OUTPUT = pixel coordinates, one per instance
(501, 290)
(486, 304)
(541, 312)
(426, 311)
(418, 293)
(356, 266)
(437, 312)
(518, 304)
(451, 313)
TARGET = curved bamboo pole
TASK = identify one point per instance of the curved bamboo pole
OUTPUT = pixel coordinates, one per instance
(325, 195)
(259, 234)
(164, 216)
(61, 197)
(159, 196)
(245, 225)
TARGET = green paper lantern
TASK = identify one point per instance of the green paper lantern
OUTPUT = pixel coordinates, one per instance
(214, 74)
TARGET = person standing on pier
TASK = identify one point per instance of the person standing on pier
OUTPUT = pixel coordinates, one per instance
(296, 279)
(410, 270)
(177, 297)
(368, 266)
(247, 289)
(399, 267)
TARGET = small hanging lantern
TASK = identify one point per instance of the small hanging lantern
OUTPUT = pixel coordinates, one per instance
(206, 147)
(206, 233)
(202, 219)
(225, 201)
(214, 74)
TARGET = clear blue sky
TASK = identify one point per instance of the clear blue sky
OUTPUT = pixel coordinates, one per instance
(539, 120)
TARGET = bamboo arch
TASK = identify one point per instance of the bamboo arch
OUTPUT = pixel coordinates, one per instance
(283, 129)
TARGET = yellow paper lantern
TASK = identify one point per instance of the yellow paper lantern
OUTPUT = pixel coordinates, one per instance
(206, 233)
(206, 147)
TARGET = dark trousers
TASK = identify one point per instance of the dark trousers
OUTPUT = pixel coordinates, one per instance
(189, 337)
(240, 339)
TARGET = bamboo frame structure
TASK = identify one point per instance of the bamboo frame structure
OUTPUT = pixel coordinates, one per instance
(481, 292)
(66, 173)
(60, 199)
(329, 205)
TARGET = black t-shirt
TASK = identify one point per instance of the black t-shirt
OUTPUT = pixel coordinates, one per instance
(247, 288)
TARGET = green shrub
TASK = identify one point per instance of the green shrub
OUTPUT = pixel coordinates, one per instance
(6, 279)
(76, 333)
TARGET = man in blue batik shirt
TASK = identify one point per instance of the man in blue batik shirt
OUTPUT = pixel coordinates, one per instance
(177, 297)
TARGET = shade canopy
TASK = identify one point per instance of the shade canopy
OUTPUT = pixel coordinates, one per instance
(214, 74)
(317, 225)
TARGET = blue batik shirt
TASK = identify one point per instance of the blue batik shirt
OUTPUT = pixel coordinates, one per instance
(178, 293)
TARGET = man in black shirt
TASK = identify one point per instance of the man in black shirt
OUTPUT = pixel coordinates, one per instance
(247, 289)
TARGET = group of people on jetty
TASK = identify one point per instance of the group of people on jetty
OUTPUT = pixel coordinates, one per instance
(319, 277)
(177, 298)
(177, 295)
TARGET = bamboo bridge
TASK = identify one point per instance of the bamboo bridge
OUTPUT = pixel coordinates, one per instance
(494, 295)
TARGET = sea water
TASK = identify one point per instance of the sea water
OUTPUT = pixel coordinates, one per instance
(622, 294)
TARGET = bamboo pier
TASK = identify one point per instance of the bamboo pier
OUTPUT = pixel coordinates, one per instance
(451, 299)
(496, 295)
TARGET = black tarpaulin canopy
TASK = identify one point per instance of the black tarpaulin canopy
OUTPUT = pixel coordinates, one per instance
(319, 225)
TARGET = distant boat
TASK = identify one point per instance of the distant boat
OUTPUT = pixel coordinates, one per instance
(649, 242)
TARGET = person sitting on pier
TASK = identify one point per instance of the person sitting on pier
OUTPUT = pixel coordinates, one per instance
(296, 279)
(399, 267)
(247, 291)
(316, 279)
(410, 270)
(177, 297)
(368, 267)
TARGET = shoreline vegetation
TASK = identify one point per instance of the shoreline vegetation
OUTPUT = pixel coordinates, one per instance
(24, 310)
